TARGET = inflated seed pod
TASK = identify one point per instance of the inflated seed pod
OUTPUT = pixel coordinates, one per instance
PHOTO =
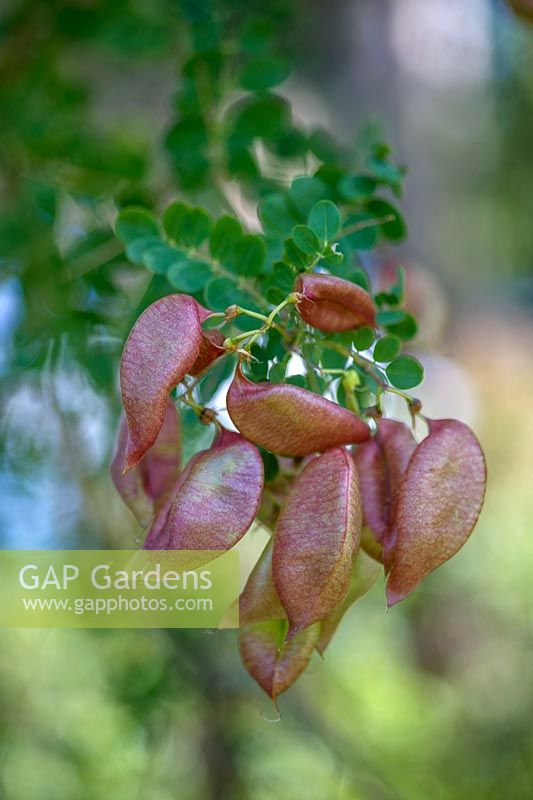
(215, 500)
(164, 345)
(316, 536)
(332, 304)
(156, 474)
(438, 504)
(259, 600)
(289, 420)
(274, 662)
(381, 464)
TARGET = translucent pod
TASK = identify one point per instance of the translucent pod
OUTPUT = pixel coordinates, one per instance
(317, 534)
(215, 501)
(271, 660)
(163, 346)
(438, 504)
(289, 420)
(156, 474)
(332, 304)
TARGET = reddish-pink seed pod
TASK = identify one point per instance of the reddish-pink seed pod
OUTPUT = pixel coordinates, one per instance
(381, 464)
(211, 346)
(289, 420)
(317, 533)
(332, 304)
(272, 661)
(216, 498)
(165, 344)
(259, 601)
(210, 349)
(156, 474)
(438, 504)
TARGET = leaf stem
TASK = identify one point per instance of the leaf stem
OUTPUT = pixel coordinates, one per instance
(252, 336)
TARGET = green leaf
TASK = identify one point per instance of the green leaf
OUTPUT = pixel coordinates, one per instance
(189, 275)
(324, 220)
(278, 371)
(396, 229)
(305, 192)
(306, 239)
(274, 295)
(260, 116)
(386, 318)
(323, 145)
(331, 257)
(405, 372)
(276, 216)
(386, 299)
(226, 232)
(367, 236)
(186, 142)
(196, 227)
(263, 73)
(220, 293)
(295, 256)
(137, 249)
(270, 464)
(136, 223)
(387, 348)
(363, 338)
(159, 259)
(360, 277)
(356, 187)
(173, 220)
(274, 347)
(291, 143)
(250, 255)
(297, 380)
(284, 276)
(386, 171)
(242, 164)
(258, 369)
(330, 359)
(406, 329)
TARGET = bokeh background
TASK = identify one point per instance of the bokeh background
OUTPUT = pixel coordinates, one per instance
(435, 698)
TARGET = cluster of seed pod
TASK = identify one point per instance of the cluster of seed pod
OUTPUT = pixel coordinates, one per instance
(356, 498)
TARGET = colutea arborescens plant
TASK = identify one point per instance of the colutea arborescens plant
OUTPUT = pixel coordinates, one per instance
(342, 488)
(344, 491)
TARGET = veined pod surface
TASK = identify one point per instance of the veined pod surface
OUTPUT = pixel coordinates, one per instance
(271, 660)
(216, 498)
(259, 600)
(438, 504)
(289, 420)
(156, 474)
(381, 464)
(163, 346)
(317, 533)
(365, 572)
(333, 304)
(210, 347)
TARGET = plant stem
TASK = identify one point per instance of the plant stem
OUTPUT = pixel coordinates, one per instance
(252, 336)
